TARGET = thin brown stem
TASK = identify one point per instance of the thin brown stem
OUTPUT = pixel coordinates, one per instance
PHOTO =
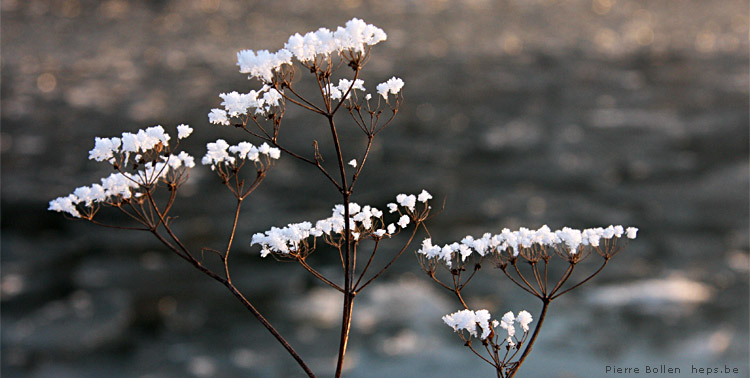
(318, 275)
(526, 351)
(584, 281)
(563, 279)
(225, 258)
(524, 280)
(369, 261)
(231, 288)
(518, 283)
(416, 227)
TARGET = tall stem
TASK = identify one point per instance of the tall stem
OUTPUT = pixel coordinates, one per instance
(348, 292)
(538, 327)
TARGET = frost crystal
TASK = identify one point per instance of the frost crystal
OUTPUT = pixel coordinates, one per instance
(364, 222)
(468, 320)
(567, 239)
(184, 131)
(392, 86)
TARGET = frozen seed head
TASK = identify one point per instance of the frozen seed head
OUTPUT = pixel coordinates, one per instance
(566, 239)
(221, 153)
(392, 86)
(407, 201)
(184, 131)
(424, 196)
(468, 320)
(141, 142)
(355, 36)
(262, 64)
(364, 222)
(524, 319)
(218, 117)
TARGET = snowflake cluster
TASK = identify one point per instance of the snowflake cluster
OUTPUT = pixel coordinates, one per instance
(468, 320)
(392, 86)
(338, 91)
(568, 239)
(364, 222)
(524, 319)
(236, 104)
(355, 36)
(221, 153)
(124, 185)
(106, 149)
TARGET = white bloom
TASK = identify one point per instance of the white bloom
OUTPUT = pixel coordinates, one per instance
(508, 318)
(468, 320)
(65, 205)
(184, 131)
(344, 85)
(462, 320)
(632, 231)
(391, 229)
(392, 207)
(483, 318)
(571, 237)
(392, 86)
(353, 163)
(218, 117)
(379, 232)
(262, 64)
(187, 160)
(403, 221)
(272, 98)
(524, 318)
(104, 148)
(217, 153)
(424, 196)
(609, 232)
(407, 201)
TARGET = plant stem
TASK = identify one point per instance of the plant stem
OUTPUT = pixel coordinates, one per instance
(348, 289)
(538, 327)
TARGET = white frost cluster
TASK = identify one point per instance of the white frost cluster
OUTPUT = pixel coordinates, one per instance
(124, 185)
(142, 141)
(392, 86)
(468, 320)
(220, 152)
(184, 131)
(409, 201)
(524, 319)
(338, 91)
(236, 104)
(567, 238)
(355, 36)
(364, 221)
(261, 64)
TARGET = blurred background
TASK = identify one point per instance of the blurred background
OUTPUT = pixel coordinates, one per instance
(573, 113)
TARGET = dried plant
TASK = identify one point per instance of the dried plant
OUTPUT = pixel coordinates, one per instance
(514, 252)
(150, 169)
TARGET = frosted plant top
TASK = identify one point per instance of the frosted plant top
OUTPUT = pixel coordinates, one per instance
(364, 222)
(566, 238)
(467, 320)
(124, 185)
(355, 36)
(221, 153)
